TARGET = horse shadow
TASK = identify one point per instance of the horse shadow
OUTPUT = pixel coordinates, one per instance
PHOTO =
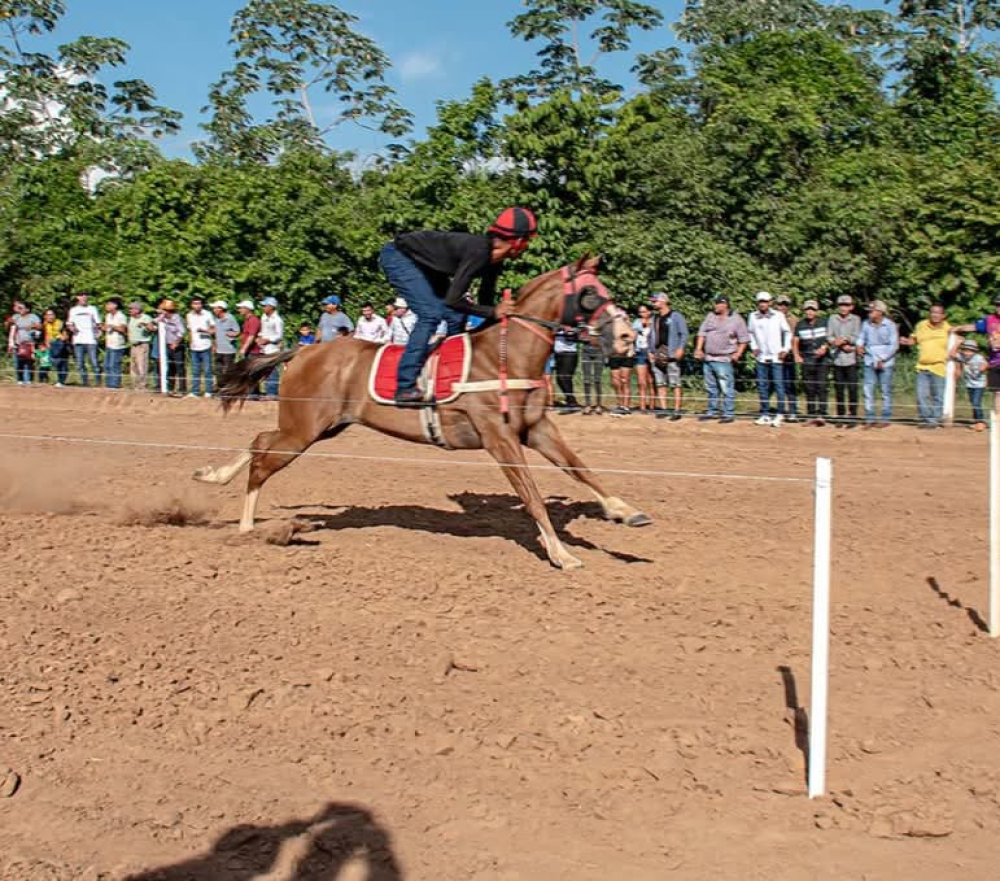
(483, 515)
(338, 835)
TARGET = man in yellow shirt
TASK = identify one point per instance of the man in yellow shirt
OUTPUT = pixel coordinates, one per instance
(930, 336)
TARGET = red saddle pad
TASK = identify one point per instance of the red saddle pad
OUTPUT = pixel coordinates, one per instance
(448, 364)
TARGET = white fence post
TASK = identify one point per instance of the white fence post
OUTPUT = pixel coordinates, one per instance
(161, 342)
(821, 629)
(950, 381)
(994, 536)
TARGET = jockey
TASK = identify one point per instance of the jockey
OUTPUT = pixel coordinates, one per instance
(432, 271)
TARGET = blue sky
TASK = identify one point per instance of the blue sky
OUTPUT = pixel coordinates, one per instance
(439, 48)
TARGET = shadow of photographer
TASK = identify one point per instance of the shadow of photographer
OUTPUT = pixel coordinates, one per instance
(317, 849)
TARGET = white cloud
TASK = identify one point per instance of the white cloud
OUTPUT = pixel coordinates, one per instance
(420, 65)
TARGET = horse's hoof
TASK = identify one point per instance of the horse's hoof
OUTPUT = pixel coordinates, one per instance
(567, 562)
(245, 530)
(639, 519)
(203, 474)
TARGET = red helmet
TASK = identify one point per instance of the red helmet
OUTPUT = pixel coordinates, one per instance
(515, 223)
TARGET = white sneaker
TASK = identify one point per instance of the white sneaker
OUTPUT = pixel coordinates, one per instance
(763, 420)
(59, 385)
(776, 422)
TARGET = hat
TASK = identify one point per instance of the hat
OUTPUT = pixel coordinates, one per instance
(269, 301)
(136, 305)
(810, 304)
(245, 304)
(879, 306)
(763, 297)
(400, 303)
(332, 300)
(784, 300)
(845, 300)
(218, 304)
(721, 298)
(970, 344)
(659, 298)
(168, 306)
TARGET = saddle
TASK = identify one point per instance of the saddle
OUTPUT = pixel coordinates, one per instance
(444, 372)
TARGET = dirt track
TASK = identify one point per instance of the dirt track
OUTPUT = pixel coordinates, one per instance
(408, 688)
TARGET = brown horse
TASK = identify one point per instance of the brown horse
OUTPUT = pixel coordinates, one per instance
(324, 391)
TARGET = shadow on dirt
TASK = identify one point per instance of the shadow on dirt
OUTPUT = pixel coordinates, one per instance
(800, 716)
(327, 846)
(483, 515)
(974, 616)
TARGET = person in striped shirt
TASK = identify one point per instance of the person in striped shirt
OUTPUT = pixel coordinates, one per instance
(811, 349)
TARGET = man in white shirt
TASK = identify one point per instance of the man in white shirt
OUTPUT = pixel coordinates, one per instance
(770, 342)
(403, 322)
(115, 341)
(84, 323)
(371, 327)
(201, 332)
(272, 340)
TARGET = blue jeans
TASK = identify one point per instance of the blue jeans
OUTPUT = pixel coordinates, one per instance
(59, 350)
(882, 378)
(410, 283)
(272, 382)
(771, 376)
(720, 382)
(24, 368)
(86, 354)
(201, 368)
(930, 396)
(113, 367)
(788, 374)
(976, 400)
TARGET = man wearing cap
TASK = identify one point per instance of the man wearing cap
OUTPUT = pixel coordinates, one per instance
(930, 336)
(172, 328)
(667, 341)
(249, 337)
(989, 325)
(403, 322)
(784, 304)
(878, 342)
(227, 332)
(721, 341)
(84, 323)
(842, 331)
(272, 340)
(810, 349)
(770, 342)
(433, 270)
(332, 321)
(140, 330)
(201, 333)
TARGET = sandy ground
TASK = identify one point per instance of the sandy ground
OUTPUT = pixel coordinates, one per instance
(407, 690)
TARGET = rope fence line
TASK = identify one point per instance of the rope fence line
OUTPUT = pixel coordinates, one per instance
(408, 460)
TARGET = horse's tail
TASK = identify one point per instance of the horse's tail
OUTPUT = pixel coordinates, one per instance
(244, 376)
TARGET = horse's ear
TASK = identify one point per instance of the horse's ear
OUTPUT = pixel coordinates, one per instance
(591, 263)
(582, 262)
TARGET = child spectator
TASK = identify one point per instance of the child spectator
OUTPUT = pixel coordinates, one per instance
(306, 336)
(974, 374)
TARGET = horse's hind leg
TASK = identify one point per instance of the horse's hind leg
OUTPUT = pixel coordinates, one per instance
(544, 438)
(271, 451)
(224, 473)
(510, 456)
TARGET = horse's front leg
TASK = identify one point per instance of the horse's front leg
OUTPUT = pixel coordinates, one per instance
(507, 451)
(544, 438)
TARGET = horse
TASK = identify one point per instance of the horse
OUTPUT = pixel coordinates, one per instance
(324, 392)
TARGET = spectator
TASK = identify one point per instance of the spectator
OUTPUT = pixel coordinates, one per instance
(784, 304)
(667, 344)
(227, 332)
(643, 327)
(25, 332)
(621, 371)
(371, 327)
(878, 342)
(403, 322)
(332, 321)
(249, 336)
(115, 329)
(272, 341)
(811, 350)
(84, 322)
(974, 368)
(57, 342)
(722, 340)
(930, 336)
(842, 331)
(549, 371)
(140, 330)
(389, 307)
(306, 335)
(770, 342)
(592, 367)
(565, 351)
(989, 325)
(201, 335)
(172, 328)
